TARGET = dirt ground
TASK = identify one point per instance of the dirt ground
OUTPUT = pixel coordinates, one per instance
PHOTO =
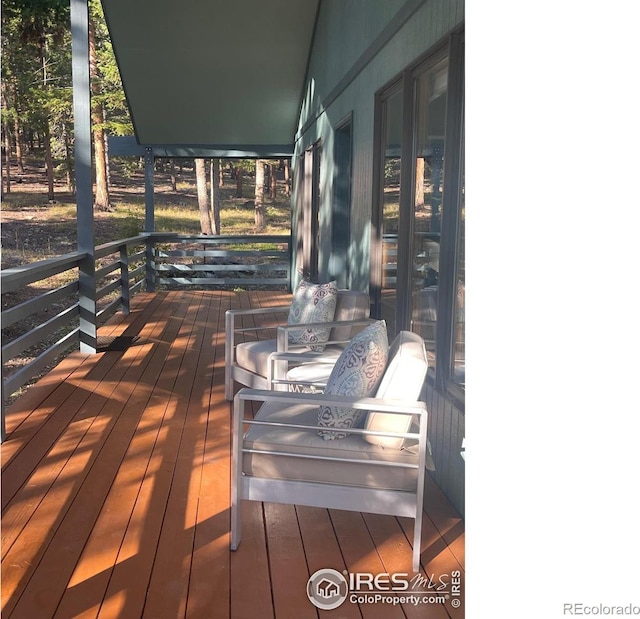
(29, 235)
(32, 229)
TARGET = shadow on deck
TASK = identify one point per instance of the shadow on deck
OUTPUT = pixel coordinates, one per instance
(115, 490)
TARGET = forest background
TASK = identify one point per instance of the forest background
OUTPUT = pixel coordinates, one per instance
(192, 196)
(38, 211)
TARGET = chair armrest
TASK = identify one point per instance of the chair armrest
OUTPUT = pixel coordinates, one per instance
(402, 407)
(258, 310)
(232, 314)
(305, 356)
(381, 405)
(300, 359)
(283, 330)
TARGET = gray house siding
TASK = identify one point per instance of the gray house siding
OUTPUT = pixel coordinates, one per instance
(359, 47)
(349, 34)
(446, 432)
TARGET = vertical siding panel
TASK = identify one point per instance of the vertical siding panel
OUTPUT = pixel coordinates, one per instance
(435, 19)
(460, 477)
(446, 431)
(460, 13)
(433, 35)
(437, 436)
(447, 443)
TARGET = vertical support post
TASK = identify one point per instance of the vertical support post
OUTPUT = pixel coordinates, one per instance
(84, 183)
(149, 217)
(150, 263)
(290, 257)
(149, 207)
(3, 426)
(124, 279)
(450, 212)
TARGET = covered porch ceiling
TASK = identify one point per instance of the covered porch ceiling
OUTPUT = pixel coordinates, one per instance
(222, 75)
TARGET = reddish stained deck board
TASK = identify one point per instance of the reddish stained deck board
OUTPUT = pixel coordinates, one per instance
(94, 570)
(92, 468)
(124, 510)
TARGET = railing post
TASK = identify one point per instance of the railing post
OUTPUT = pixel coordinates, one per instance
(3, 427)
(149, 218)
(290, 261)
(149, 206)
(150, 265)
(84, 182)
(124, 279)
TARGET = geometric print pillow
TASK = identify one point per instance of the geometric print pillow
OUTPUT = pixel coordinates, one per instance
(312, 303)
(357, 373)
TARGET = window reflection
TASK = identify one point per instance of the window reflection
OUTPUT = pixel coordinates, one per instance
(431, 102)
(458, 360)
(392, 115)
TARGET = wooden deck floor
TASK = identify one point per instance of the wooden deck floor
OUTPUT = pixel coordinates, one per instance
(115, 491)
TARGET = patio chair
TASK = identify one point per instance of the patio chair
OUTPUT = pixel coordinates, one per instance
(297, 450)
(248, 363)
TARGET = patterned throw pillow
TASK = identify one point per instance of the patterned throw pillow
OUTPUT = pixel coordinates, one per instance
(312, 303)
(357, 373)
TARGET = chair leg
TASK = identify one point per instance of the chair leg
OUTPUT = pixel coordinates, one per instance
(228, 385)
(236, 523)
(417, 540)
(229, 344)
(236, 473)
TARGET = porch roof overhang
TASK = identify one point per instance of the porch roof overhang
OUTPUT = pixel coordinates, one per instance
(216, 76)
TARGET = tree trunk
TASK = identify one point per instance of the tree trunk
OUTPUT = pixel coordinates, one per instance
(203, 197)
(419, 183)
(18, 142)
(68, 161)
(272, 180)
(287, 178)
(7, 158)
(239, 173)
(48, 158)
(215, 194)
(102, 200)
(172, 172)
(16, 129)
(7, 144)
(259, 196)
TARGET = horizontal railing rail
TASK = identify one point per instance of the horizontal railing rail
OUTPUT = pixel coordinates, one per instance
(120, 273)
(46, 325)
(34, 311)
(226, 260)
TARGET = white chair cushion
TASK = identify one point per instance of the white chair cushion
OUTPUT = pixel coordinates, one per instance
(312, 303)
(403, 380)
(296, 441)
(254, 356)
(357, 372)
(318, 372)
(350, 305)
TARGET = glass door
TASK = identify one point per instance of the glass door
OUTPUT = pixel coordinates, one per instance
(391, 153)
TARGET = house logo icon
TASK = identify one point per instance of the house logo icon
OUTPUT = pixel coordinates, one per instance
(327, 589)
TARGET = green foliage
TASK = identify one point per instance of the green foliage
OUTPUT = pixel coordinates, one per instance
(37, 76)
(110, 92)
